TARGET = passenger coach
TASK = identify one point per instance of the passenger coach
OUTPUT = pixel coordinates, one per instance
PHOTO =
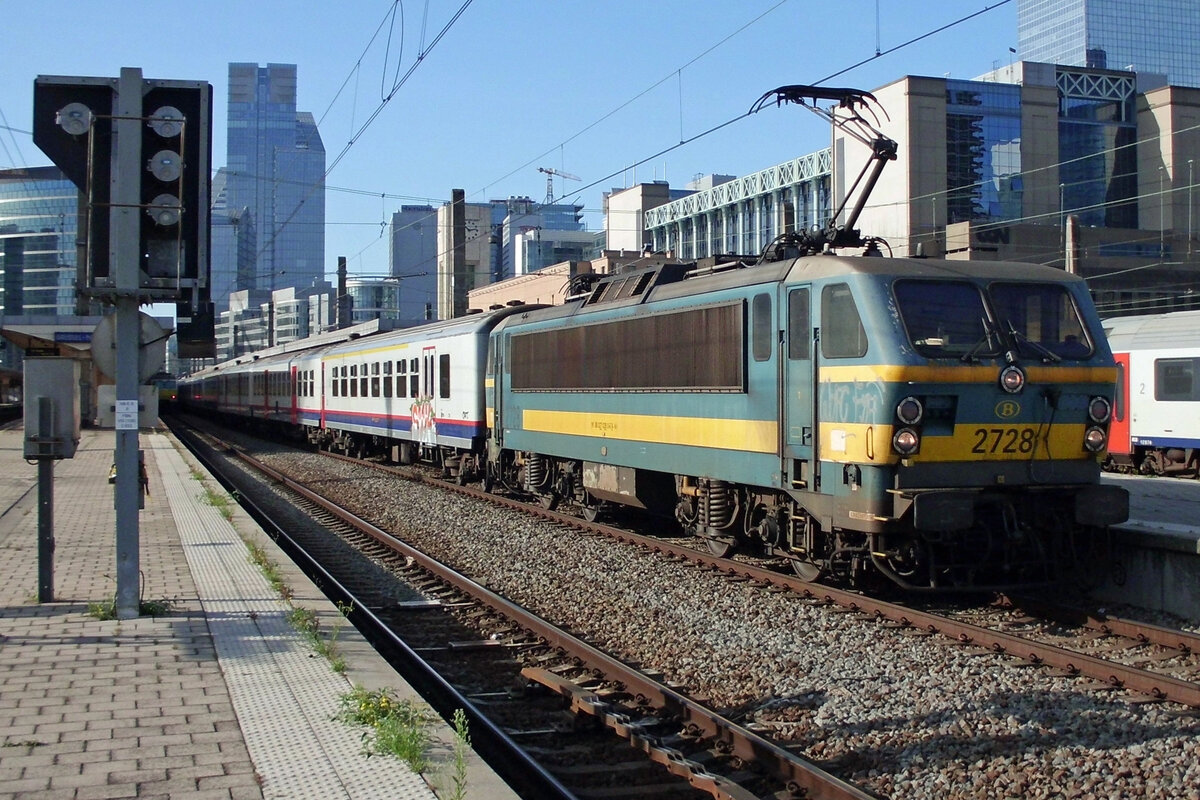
(1157, 426)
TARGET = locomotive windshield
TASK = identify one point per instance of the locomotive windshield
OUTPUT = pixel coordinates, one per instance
(1040, 319)
(946, 319)
(958, 319)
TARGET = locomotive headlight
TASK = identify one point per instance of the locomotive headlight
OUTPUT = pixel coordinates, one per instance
(1099, 409)
(1094, 439)
(906, 441)
(909, 411)
(1012, 379)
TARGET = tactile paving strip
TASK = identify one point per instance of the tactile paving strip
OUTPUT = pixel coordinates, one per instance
(285, 697)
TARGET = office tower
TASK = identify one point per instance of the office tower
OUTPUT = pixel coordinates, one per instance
(274, 183)
(39, 210)
(1149, 36)
(413, 261)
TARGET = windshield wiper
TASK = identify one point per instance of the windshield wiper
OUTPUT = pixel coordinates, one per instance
(988, 333)
(1018, 337)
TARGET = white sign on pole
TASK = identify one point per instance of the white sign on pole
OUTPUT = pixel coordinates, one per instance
(127, 415)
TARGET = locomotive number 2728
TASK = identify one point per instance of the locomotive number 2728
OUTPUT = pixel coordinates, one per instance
(991, 441)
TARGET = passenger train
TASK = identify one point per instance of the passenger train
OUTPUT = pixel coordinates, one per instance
(1156, 422)
(938, 424)
(933, 423)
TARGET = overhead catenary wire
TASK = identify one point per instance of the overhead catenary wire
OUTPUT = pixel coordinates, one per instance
(686, 140)
(396, 86)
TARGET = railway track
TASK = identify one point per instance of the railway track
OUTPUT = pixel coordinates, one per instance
(1095, 652)
(799, 722)
(699, 751)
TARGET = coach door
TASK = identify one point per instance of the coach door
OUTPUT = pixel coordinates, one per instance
(799, 379)
(424, 424)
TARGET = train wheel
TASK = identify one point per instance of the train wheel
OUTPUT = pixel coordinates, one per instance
(590, 508)
(548, 501)
(807, 571)
(719, 547)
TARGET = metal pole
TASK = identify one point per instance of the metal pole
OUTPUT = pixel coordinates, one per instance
(1162, 216)
(124, 230)
(1191, 182)
(45, 503)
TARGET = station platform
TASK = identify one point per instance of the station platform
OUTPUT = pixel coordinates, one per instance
(1155, 559)
(218, 696)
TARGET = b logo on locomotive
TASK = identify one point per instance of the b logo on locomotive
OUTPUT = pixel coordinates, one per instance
(1007, 409)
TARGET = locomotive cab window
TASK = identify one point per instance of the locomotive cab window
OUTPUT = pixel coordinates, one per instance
(1041, 319)
(842, 332)
(945, 319)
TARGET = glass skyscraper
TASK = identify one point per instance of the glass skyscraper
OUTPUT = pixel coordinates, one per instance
(274, 186)
(983, 151)
(1159, 36)
(39, 209)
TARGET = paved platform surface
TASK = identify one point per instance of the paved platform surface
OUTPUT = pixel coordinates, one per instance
(217, 698)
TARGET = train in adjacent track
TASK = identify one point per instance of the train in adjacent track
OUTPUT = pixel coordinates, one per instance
(1156, 422)
(939, 424)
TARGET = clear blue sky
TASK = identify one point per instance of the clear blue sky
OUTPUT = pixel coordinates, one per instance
(588, 88)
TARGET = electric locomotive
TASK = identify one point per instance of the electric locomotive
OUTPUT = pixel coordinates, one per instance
(933, 422)
(938, 424)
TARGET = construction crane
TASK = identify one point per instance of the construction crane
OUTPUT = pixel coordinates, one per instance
(550, 173)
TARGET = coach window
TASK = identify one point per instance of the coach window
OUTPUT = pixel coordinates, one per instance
(387, 379)
(375, 379)
(1175, 379)
(401, 377)
(799, 333)
(363, 381)
(444, 375)
(333, 382)
(842, 333)
(354, 380)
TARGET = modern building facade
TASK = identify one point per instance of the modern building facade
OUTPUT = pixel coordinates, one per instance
(1149, 36)
(274, 186)
(538, 223)
(999, 167)
(413, 260)
(376, 298)
(743, 215)
(480, 254)
(39, 212)
(254, 322)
